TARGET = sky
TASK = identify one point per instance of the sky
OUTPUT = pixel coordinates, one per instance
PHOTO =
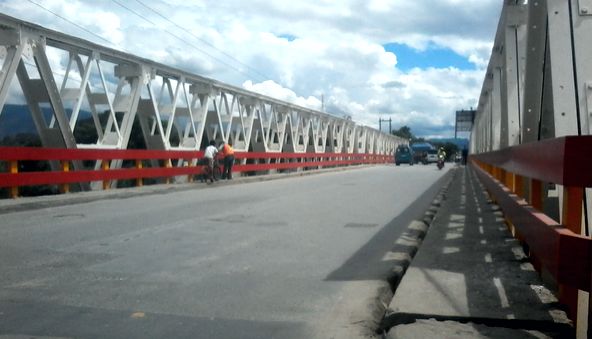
(415, 62)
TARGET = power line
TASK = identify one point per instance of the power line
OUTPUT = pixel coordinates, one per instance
(181, 39)
(71, 22)
(264, 76)
(134, 12)
(54, 72)
(258, 74)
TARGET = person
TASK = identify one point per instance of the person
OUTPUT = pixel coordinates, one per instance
(465, 154)
(228, 154)
(442, 153)
(210, 155)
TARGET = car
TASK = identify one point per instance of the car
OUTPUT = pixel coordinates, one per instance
(404, 154)
(431, 157)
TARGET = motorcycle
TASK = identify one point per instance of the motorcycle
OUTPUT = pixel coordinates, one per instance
(440, 162)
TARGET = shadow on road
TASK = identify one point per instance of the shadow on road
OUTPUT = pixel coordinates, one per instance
(371, 261)
(55, 320)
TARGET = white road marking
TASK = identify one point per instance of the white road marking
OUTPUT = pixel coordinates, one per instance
(501, 292)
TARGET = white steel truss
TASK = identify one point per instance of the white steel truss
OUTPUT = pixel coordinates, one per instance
(175, 110)
(539, 84)
(539, 79)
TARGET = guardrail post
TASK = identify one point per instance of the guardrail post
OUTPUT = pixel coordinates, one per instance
(572, 208)
(571, 218)
(14, 190)
(65, 188)
(105, 167)
(139, 180)
(490, 169)
(189, 176)
(168, 164)
(519, 185)
(536, 194)
(509, 180)
(535, 200)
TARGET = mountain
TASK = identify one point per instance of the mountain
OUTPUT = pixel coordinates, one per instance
(16, 119)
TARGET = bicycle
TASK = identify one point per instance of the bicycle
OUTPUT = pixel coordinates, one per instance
(206, 170)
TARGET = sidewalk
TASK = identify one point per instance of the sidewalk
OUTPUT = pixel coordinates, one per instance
(471, 279)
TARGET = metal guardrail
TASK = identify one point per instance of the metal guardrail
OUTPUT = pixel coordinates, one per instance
(163, 160)
(515, 176)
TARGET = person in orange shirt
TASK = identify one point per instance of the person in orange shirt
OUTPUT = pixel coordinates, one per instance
(228, 153)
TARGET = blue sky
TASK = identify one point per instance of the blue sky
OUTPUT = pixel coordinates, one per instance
(288, 37)
(433, 56)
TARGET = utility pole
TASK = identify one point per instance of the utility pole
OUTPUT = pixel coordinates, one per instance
(385, 120)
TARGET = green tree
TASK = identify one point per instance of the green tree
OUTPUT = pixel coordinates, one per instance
(404, 132)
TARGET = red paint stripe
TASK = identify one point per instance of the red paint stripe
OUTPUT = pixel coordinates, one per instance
(291, 161)
(55, 177)
(38, 153)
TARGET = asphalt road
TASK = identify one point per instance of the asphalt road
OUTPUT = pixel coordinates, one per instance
(274, 259)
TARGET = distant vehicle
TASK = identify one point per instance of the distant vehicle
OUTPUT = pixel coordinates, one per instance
(420, 151)
(404, 154)
(431, 157)
(418, 156)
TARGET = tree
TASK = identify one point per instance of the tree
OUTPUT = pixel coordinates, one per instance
(404, 132)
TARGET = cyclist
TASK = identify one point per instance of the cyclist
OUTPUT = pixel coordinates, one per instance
(210, 155)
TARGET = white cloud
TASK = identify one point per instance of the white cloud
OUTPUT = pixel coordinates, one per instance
(274, 90)
(337, 50)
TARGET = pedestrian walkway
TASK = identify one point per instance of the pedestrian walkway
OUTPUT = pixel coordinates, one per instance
(470, 277)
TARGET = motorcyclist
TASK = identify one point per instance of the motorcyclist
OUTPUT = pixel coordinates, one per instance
(441, 157)
(441, 153)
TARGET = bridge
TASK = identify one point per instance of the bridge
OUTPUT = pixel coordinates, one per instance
(130, 244)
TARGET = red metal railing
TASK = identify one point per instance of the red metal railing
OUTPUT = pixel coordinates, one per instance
(515, 177)
(14, 179)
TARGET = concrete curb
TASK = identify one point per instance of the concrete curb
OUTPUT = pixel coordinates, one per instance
(413, 237)
(406, 246)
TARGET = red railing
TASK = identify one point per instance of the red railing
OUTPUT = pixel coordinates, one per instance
(14, 179)
(515, 177)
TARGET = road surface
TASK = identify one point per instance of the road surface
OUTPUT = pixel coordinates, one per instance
(285, 258)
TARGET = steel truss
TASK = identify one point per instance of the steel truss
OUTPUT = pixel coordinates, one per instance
(539, 79)
(539, 82)
(176, 110)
